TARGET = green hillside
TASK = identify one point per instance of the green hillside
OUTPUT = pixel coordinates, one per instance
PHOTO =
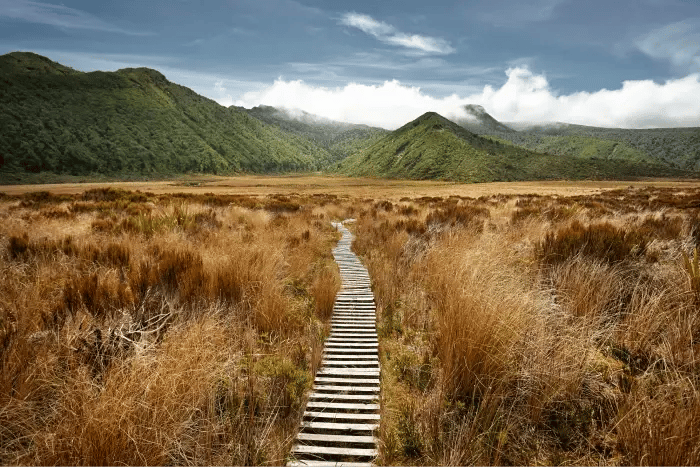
(338, 138)
(432, 147)
(679, 147)
(676, 147)
(133, 121)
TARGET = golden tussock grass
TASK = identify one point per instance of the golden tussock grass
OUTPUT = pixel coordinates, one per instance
(144, 328)
(545, 330)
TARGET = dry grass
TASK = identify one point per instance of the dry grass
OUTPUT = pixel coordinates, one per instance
(546, 330)
(144, 328)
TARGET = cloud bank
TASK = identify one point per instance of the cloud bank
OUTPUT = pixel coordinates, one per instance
(525, 97)
(390, 35)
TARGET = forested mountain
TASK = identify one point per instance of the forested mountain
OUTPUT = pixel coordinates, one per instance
(132, 121)
(433, 147)
(676, 147)
(135, 122)
(338, 138)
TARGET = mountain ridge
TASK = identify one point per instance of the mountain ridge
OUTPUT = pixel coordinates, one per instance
(131, 121)
(135, 121)
(432, 146)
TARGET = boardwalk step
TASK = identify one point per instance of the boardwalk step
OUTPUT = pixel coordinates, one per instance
(355, 452)
(340, 405)
(349, 439)
(343, 417)
(368, 427)
(325, 463)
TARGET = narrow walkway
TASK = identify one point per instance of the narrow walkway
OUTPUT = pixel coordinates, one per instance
(342, 413)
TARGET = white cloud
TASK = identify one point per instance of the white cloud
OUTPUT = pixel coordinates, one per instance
(366, 23)
(58, 15)
(525, 97)
(390, 35)
(677, 42)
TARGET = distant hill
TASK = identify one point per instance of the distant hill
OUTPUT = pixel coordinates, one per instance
(433, 147)
(678, 147)
(132, 121)
(675, 147)
(338, 138)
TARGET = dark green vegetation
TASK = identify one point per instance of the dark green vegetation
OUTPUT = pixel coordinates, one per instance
(57, 123)
(339, 139)
(676, 147)
(432, 147)
(133, 121)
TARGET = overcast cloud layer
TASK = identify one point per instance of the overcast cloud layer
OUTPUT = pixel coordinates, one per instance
(627, 63)
(525, 97)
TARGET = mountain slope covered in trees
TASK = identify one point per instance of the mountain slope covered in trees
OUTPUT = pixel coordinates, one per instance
(135, 122)
(132, 121)
(676, 147)
(433, 147)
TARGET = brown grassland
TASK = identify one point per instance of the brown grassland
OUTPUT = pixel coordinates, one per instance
(183, 325)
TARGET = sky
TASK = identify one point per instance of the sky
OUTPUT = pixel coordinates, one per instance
(613, 63)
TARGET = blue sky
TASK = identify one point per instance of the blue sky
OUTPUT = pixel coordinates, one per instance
(631, 63)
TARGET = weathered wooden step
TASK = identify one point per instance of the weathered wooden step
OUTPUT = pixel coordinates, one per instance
(338, 389)
(333, 451)
(344, 357)
(330, 426)
(352, 341)
(370, 382)
(352, 335)
(325, 463)
(369, 398)
(349, 374)
(349, 439)
(362, 364)
(341, 417)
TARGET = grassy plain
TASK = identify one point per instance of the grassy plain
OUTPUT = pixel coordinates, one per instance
(520, 323)
(351, 186)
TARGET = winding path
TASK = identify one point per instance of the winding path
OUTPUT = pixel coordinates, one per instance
(342, 414)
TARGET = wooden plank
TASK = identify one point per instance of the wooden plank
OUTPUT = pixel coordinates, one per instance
(343, 381)
(365, 320)
(337, 416)
(367, 337)
(352, 343)
(368, 325)
(344, 357)
(313, 425)
(350, 439)
(363, 353)
(335, 389)
(317, 463)
(355, 364)
(370, 398)
(352, 363)
(340, 406)
(350, 349)
(333, 451)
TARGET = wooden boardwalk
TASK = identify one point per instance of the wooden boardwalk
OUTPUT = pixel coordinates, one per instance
(342, 414)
